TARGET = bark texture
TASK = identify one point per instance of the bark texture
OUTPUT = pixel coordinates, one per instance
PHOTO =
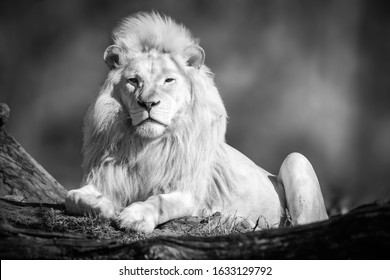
(364, 233)
(20, 175)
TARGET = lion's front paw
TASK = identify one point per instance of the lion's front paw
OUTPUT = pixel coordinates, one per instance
(138, 217)
(79, 203)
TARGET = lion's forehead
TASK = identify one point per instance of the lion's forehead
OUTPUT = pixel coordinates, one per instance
(154, 65)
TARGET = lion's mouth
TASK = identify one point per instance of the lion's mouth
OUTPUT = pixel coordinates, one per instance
(142, 117)
(150, 120)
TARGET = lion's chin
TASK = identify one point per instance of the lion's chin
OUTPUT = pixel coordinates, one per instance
(150, 129)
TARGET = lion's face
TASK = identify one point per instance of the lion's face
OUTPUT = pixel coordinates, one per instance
(154, 92)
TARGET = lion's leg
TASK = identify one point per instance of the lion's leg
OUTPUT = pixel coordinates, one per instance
(157, 209)
(303, 193)
(89, 200)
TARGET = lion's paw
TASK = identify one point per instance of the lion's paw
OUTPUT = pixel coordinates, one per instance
(138, 217)
(80, 203)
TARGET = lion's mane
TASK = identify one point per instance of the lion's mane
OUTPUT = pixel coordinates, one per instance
(189, 156)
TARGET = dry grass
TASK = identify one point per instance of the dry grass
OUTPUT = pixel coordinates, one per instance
(50, 219)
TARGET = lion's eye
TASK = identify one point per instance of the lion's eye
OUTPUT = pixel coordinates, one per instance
(133, 81)
(169, 80)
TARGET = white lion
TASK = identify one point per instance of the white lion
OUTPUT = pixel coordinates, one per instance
(154, 142)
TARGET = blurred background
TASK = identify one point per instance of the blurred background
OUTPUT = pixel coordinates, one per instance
(306, 76)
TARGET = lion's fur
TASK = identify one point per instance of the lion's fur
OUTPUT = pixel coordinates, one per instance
(145, 31)
(190, 156)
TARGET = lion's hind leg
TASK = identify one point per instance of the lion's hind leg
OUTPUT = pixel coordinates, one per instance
(89, 200)
(303, 193)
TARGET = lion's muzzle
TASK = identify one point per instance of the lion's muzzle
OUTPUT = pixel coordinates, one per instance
(148, 105)
(155, 111)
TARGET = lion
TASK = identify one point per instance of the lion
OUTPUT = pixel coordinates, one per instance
(154, 145)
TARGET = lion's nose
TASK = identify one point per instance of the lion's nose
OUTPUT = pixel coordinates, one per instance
(148, 105)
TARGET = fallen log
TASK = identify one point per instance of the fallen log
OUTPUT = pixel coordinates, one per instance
(21, 176)
(361, 234)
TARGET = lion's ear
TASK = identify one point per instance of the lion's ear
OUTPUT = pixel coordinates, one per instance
(194, 56)
(112, 56)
